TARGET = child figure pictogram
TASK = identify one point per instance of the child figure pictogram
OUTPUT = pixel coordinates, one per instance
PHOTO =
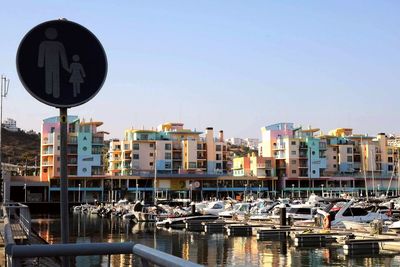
(77, 75)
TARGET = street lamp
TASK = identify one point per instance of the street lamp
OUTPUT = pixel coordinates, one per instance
(245, 191)
(292, 190)
(4, 91)
(137, 190)
(79, 193)
(25, 191)
(322, 190)
(191, 191)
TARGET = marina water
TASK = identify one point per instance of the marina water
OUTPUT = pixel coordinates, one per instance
(207, 249)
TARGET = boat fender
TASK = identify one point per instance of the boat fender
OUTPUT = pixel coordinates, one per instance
(327, 222)
(389, 213)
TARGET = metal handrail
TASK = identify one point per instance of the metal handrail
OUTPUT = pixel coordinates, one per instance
(160, 258)
(55, 250)
(146, 254)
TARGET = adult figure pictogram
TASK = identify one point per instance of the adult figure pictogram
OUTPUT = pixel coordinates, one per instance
(51, 52)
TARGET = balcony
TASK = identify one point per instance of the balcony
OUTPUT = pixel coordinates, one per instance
(72, 161)
(47, 151)
(281, 166)
(279, 147)
(72, 140)
(97, 141)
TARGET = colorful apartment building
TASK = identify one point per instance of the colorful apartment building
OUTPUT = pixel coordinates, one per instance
(306, 160)
(85, 160)
(169, 149)
(255, 166)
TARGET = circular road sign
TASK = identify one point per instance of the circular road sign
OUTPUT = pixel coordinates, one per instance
(61, 63)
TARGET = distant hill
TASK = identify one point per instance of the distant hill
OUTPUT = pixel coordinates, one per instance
(20, 146)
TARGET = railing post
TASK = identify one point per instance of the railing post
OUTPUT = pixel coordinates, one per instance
(145, 263)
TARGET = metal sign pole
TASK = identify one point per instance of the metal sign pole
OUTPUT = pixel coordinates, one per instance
(64, 181)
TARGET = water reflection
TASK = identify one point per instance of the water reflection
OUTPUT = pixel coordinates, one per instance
(211, 250)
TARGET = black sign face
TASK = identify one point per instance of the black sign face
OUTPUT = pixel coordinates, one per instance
(61, 63)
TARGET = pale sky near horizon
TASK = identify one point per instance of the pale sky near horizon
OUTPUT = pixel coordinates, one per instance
(233, 65)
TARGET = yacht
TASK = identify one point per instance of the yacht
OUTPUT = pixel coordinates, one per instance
(356, 214)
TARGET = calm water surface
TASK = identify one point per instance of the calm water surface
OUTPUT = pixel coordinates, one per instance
(210, 250)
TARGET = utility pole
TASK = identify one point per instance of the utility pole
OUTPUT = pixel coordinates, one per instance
(4, 91)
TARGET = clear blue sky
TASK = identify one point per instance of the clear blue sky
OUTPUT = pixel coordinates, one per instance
(233, 65)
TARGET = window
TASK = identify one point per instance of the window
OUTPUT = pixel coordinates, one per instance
(268, 164)
(349, 158)
(294, 153)
(294, 171)
(349, 150)
(126, 146)
(58, 158)
(167, 165)
(390, 168)
(313, 171)
(217, 206)
(84, 148)
(151, 164)
(151, 154)
(58, 148)
(151, 145)
(334, 157)
(218, 166)
(313, 153)
(390, 159)
(334, 166)
(334, 149)
(168, 155)
(167, 146)
(84, 170)
(293, 161)
(293, 143)
(52, 129)
(268, 173)
(218, 147)
(135, 146)
(135, 156)
(355, 212)
(192, 165)
(144, 137)
(218, 157)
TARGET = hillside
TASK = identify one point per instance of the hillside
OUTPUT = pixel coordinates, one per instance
(20, 146)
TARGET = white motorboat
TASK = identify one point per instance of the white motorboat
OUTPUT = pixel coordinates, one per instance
(213, 208)
(237, 209)
(356, 214)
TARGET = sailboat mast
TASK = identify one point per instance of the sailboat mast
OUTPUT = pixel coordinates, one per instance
(155, 173)
(398, 177)
(372, 171)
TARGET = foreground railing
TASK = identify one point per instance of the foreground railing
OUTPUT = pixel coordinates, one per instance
(147, 255)
(20, 213)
